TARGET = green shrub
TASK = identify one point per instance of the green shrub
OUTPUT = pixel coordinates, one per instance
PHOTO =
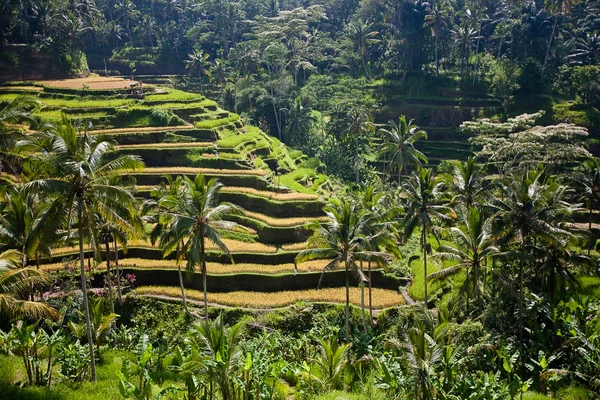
(141, 116)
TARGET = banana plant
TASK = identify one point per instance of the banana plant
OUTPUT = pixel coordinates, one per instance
(142, 388)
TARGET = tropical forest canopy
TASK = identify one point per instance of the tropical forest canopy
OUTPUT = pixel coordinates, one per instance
(310, 200)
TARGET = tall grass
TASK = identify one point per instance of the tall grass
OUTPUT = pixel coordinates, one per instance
(382, 298)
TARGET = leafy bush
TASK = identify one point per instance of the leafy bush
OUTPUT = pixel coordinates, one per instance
(581, 81)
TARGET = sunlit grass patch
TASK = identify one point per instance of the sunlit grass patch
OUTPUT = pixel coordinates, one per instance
(382, 298)
(206, 171)
(145, 129)
(165, 145)
(210, 124)
(282, 222)
(172, 95)
(212, 267)
(590, 286)
(303, 180)
(271, 195)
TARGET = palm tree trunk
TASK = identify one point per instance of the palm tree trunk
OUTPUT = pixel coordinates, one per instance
(347, 316)
(370, 295)
(203, 256)
(424, 249)
(86, 306)
(362, 300)
(521, 344)
(119, 293)
(364, 64)
(187, 311)
(550, 42)
(590, 230)
(477, 54)
(109, 281)
(437, 63)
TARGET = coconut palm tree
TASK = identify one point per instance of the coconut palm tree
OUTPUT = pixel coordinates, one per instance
(12, 114)
(556, 8)
(161, 218)
(473, 243)
(196, 217)
(425, 205)
(17, 284)
(82, 184)
(438, 18)
(359, 124)
(362, 37)
(467, 182)
(343, 241)
(587, 176)
(198, 65)
(299, 120)
(382, 231)
(399, 143)
(20, 214)
(530, 207)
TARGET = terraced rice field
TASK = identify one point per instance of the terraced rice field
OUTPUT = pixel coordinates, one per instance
(212, 267)
(279, 207)
(382, 298)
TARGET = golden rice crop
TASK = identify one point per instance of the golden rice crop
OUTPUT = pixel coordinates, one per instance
(23, 88)
(212, 268)
(271, 195)
(234, 246)
(382, 298)
(92, 82)
(164, 145)
(141, 129)
(207, 171)
(271, 221)
(294, 246)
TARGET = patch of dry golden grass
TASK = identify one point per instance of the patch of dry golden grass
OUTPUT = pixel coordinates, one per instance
(234, 246)
(206, 171)
(164, 145)
(92, 82)
(271, 195)
(116, 131)
(213, 268)
(23, 88)
(282, 222)
(294, 246)
(382, 298)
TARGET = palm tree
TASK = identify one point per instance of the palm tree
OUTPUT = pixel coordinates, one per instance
(299, 120)
(12, 114)
(399, 142)
(382, 232)
(198, 65)
(129, 14)
(19, 225)
(220, 71)
(82, 183)
(473, 241)
(588, 176)
(425, 205)
(467, 182)
(359, 124)
(438, 17)
(161, 218)
(328, 369)
(464, 37)
(362, 37)
(531, 207)
(476, 15)
(342, 240)
(16, 284)
(557, 8)
(587, 51)
(195, 217)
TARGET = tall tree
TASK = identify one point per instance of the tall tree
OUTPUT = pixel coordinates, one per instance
(363, 36)
(556, 8)
(196, 217)
(437, 18)
(399, 144)
(425, 205)
(341, 240)
(81, 181)
(359, 124)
